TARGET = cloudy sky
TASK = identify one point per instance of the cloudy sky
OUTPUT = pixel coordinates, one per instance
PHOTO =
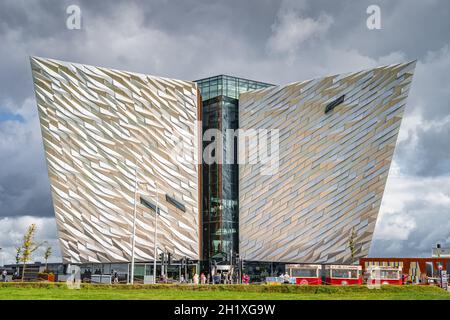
(271, 41)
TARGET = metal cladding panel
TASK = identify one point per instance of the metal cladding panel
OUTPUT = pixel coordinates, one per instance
(98, 125)
(332, 167)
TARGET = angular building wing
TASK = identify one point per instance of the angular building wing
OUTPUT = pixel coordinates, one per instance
(336, 141)
(108, 134)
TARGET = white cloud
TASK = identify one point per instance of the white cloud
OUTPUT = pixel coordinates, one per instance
(395, 226)
(430, 94)
(12, 230)
(414, 216)
(291, 30)
(392, 58)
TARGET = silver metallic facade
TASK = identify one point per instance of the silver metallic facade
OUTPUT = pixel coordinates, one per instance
(103, 131)
(111, 137)
(332, 169)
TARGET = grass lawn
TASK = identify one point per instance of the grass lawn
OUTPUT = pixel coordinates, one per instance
(254, 292)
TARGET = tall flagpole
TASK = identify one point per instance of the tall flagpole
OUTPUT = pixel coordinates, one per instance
(134, 225)
(155, 234)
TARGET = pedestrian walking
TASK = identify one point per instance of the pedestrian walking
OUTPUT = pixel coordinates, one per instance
(286, 278)
(195, 279)
(245, 278)
(202, 278)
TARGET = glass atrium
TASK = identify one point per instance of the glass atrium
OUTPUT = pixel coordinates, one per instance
(227, 86)
(220, 110)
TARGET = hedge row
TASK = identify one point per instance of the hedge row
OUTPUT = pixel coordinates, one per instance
(237, 288)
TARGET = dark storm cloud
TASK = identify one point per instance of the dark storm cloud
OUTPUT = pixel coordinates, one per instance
(434, 141)
(425, 150)
(413, 27)
(23, 25)
(39, 19)
(24, 186)
(273, 41)
(431, 92)
(428, 152)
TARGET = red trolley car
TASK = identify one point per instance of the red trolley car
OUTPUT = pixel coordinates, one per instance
(305, 274)
(343, 275)
(384, 275)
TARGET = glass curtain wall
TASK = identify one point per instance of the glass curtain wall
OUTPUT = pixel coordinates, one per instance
(220, 181)
(227, 86)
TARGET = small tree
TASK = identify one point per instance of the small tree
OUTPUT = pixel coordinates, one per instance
(28, 247)
(352, 243)
(47, 254)
(18, 252)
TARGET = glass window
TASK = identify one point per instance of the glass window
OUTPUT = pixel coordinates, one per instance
(390, 274)
(106, 268)
(231, 89)
(344, 274)
(120, 267)
(213, 91)
(243, 86)
(149, 270)
(386, 274)
(304, 273)
(175, 203)
(139, 270)
(86, 269)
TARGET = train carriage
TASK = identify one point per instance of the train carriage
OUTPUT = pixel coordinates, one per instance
(343, 275)
(384, 275)
(305, 274)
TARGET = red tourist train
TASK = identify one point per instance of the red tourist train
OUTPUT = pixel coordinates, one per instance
(382, 275)
(343, 275)
(305, 274)
(338, 275)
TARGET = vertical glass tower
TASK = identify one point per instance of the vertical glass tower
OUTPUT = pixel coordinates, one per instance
(220, 96)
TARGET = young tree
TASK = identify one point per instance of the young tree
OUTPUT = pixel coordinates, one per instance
(18, 259)
(18, 252)
(28, 247)
(352, 243)
(47, 254)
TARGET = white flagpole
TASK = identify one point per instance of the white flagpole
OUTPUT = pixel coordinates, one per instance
(134, 225)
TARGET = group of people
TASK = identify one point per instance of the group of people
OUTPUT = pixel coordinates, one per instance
(202, 279)
(4, 275)
(215, 279)
(196, 279)
(286, 278)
